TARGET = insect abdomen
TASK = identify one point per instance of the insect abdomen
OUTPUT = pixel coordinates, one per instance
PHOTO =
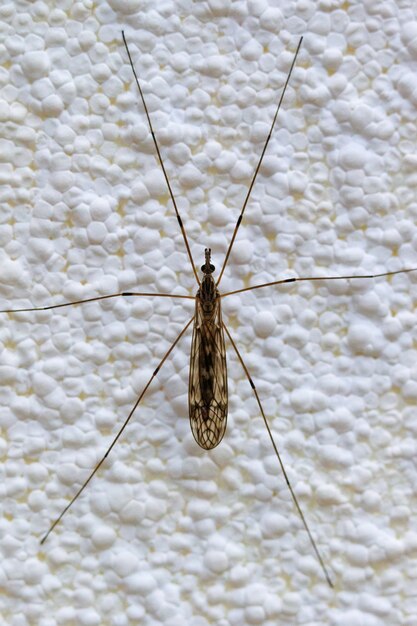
(208, 377)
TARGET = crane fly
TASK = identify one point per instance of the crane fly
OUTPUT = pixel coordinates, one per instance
(207, 391)
(207, 396)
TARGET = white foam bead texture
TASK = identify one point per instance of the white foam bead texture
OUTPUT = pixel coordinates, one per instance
(167, 533)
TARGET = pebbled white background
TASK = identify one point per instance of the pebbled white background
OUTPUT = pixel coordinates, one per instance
(168, 533)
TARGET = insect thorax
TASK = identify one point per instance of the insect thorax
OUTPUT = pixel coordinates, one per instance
(208, 293)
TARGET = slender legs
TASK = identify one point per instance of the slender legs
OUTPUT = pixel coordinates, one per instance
(171, 193)
(109, 449)
(258, 167)
(95, 299)
(317, 278)
(277, 454)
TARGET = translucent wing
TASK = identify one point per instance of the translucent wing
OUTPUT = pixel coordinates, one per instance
(207, 397)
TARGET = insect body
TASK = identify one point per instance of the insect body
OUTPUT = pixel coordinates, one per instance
(208, 373)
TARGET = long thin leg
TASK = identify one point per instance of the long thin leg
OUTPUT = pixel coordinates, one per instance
(317, 278)
(301, 514)
(161, 161)
(259, 164)
(113, 295)
(109, 449)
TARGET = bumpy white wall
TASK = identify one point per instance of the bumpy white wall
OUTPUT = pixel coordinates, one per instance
(167, 533)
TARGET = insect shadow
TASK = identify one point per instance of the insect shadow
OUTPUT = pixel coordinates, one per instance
(207, 395)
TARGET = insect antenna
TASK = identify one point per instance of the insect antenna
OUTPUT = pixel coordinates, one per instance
(259, 164)
(161, 162)
(113, 443)
(277, 454)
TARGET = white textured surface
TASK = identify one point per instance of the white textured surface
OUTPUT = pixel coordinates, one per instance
(167, 533)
